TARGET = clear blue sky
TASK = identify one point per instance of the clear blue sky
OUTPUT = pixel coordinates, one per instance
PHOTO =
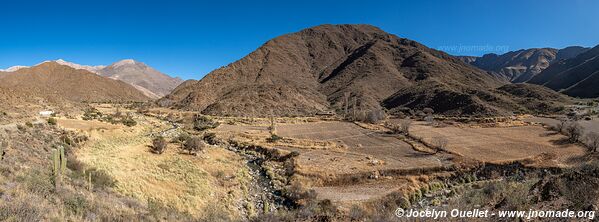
(191, 38)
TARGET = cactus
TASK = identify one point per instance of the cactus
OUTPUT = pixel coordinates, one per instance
(3, 147)
(60, 164)
(89, 181)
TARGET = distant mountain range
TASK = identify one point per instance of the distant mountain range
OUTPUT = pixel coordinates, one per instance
(577, 76)
(149, 81)
(328, 66)
(54, 81)
(571, 70)
(522, 65)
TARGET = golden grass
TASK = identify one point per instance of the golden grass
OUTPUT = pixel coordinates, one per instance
(217, 178)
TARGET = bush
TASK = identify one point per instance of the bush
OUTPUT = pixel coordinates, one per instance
(273, 138)
(574, 132)
(181, 138)
(592, 141)
(428, 111)
(375, 116)
(129, 121)
(52, 121)
(201, 123)
(159, 145)
(193, 145)
(403, 127)
(440, 143)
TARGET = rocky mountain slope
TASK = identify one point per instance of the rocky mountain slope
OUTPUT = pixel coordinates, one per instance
(328, 66)
(578, 76)
(55, 81)
(522, 65)
(153, 83)
(148, 80)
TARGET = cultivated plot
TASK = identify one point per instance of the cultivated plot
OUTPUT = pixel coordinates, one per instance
(502, 144)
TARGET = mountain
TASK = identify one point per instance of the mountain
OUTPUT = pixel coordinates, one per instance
(153, 83)
(93, 69)
(13, 68)
(56, 81)
(320, 68)
(522, 65)
(578, 76)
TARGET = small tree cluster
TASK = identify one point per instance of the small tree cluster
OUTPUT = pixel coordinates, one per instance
(159, 145)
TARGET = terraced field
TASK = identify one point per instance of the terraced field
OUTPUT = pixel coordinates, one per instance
(374, 158)
(502, 144)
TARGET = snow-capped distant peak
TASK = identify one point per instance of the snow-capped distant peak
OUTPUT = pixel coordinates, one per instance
(124, 62)
(94, 69)
(13, 68)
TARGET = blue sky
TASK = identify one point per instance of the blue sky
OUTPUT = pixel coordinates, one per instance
(191, 38)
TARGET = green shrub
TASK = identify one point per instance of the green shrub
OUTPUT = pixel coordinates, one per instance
(274, 138)
(52, 121)
(202, 123)
(129, 121)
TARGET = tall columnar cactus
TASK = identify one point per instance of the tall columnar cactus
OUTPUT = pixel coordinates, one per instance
(60, 164)
(3, 147)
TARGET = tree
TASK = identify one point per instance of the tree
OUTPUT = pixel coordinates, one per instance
(159, 145)
(193, 145)
(345, 104)
(374, 116)
(592, 141)
(560, 127)
(428, 111)
(404, 125)
(272, 128)
(574, 132)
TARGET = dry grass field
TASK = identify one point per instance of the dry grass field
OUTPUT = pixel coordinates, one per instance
(502, 144)
(217, 180)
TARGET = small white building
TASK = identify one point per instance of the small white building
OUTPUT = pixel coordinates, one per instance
(46, 113)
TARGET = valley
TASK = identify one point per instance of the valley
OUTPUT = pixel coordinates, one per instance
(329, 123)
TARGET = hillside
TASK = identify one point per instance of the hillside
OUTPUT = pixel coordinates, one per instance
(520, 66)
(320, 68)
(153, 83)
(54, 81)
(578, 76)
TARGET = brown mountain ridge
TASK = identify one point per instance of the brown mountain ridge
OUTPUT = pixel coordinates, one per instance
(54, 81)
(320, 68)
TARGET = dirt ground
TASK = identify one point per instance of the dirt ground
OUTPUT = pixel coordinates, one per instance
(83, 125)
(364, 150)
(502, 144)
(368, 154)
